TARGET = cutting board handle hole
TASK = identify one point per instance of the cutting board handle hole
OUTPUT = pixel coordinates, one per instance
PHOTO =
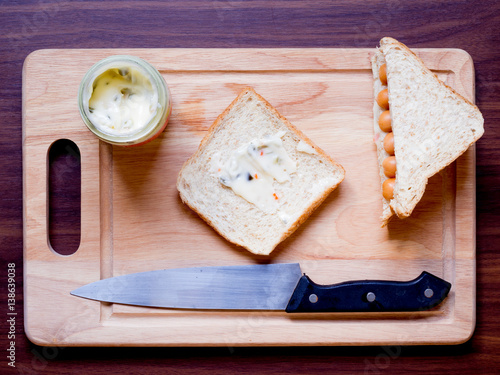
(64, 197)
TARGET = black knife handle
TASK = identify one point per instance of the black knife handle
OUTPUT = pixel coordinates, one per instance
(422, 293)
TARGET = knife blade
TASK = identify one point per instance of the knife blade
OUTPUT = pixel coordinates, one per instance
(264, 287)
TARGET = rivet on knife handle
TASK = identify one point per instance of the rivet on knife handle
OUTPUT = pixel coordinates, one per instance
(422, 293)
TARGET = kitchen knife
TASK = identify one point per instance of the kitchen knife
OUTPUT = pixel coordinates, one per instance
(264, 287)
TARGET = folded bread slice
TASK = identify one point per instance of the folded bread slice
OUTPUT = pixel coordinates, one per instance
(432, 124)
(206, 185)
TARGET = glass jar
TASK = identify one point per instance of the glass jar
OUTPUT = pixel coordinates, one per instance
(124, 101)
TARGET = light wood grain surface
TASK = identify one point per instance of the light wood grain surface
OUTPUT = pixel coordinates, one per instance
(132, 219)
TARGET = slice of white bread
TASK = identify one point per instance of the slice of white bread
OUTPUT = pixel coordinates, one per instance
(432, 124)
(251, 117)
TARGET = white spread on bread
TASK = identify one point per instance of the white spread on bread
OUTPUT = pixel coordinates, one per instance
(306, 147)
(285, 218)
(251, 170)
(251, 117)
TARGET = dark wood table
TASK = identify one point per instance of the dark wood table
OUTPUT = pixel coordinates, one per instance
(26, 26)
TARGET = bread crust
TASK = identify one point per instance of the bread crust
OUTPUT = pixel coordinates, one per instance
(212, 132)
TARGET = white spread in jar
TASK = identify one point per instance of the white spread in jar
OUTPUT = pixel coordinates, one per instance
(252, 169)
(123, 101)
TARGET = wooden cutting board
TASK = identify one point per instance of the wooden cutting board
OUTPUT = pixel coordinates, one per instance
(132, 219)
